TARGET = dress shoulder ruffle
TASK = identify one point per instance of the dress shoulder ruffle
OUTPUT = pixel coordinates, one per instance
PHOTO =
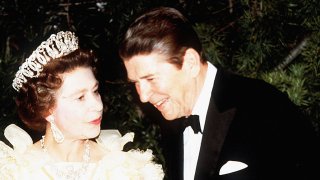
(10, 158)
(133, 164)
(10, 163)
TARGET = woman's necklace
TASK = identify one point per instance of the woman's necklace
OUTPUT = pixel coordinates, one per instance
(70, 171)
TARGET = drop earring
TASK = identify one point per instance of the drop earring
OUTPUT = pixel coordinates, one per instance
(57, 134)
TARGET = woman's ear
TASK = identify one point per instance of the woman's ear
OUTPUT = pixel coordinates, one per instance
(192, 62)
(50, 118)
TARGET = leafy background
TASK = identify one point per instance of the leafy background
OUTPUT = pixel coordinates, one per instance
(277, 41)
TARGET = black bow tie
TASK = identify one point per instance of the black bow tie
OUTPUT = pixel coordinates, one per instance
(193, 121)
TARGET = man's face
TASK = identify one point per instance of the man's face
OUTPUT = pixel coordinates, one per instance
(162, 84)
(78, 109)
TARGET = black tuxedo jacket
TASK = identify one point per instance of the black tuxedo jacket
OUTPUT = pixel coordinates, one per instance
(249, 121)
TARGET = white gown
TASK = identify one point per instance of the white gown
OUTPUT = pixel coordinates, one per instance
(25, 162)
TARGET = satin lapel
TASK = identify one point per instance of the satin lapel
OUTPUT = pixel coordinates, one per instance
(216, 128)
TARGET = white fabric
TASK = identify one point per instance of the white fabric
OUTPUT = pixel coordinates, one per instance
(232, 166)
(191, 141)
(112, 140)
(115, 165)
(19, 139)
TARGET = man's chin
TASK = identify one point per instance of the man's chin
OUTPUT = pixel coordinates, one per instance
(169, 117)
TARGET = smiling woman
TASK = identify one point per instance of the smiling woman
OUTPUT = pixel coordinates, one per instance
(58, 96)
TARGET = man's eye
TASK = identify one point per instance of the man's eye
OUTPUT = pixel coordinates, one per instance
(134, 83)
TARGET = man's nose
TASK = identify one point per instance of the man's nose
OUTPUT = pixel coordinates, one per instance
(144, 91)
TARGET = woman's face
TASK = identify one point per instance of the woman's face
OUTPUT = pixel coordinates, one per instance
(78, 110)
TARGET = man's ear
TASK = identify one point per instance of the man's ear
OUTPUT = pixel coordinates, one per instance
(192, 62)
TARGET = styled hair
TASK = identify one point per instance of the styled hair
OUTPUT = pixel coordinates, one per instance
(162, 30)
(37, 96)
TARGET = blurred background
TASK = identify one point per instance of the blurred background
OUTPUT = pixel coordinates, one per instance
(274, 40)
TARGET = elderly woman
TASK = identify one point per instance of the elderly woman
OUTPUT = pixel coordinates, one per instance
(58, 95)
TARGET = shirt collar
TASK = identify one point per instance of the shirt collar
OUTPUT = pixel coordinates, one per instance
(201, 106)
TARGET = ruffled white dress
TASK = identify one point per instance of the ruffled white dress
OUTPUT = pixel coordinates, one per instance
(25, 162)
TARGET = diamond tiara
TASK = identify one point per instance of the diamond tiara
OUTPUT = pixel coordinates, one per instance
(56, 46)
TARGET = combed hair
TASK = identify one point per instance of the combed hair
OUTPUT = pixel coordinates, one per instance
(163, 30)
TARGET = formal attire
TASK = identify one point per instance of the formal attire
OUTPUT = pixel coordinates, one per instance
(26, 162)
(250, 131)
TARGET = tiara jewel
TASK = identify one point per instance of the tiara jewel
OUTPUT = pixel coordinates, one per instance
(56, 46)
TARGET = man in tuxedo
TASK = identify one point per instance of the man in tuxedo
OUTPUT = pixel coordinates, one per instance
(244, 128)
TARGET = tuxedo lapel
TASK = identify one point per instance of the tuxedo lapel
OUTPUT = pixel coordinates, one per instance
(219, 117)
(216, 128)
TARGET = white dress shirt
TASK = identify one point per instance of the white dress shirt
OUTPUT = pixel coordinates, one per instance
(191, 141)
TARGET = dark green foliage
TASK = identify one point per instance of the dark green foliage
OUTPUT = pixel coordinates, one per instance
(277, 41)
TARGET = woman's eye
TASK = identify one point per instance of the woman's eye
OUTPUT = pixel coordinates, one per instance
(81, 98)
